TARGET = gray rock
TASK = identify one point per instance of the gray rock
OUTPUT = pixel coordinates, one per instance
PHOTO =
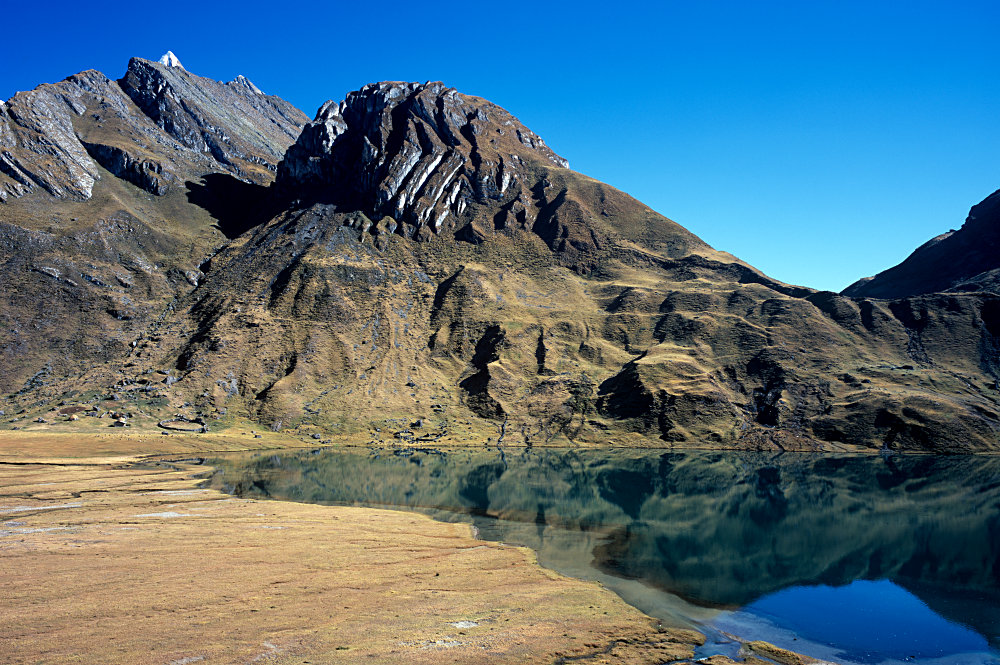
(56, 136)
(212, 118)
(418, 154)
(143, 173)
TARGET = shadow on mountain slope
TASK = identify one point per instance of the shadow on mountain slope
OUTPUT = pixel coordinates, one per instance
(235, 205)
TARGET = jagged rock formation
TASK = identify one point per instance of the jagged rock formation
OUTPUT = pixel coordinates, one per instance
(964, 260)
(242, 129)
(40, 146)
(422, 154)
(424, 257)
(423, 159)
(157, 126)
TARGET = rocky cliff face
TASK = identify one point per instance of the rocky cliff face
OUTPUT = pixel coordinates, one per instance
(430, 260)
(420, 160)
(159, 125)
(964, 260)
(421, 154)
(40, 146)
(245, 131)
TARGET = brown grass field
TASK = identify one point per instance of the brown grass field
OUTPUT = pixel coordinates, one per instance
(107, 556)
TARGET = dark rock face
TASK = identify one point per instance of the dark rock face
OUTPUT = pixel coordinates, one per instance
(422, 154)
(143, 173)
(964, 260)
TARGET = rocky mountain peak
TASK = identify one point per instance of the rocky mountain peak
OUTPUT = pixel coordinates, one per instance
(157, 127)
(234, 123)
(170, 60)
(420, 153)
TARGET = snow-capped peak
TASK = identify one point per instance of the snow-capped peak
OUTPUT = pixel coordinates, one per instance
(170, 60)
(244, 81)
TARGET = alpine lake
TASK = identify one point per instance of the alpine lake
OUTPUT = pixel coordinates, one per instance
(852, 559)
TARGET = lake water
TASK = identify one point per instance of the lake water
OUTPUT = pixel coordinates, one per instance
(852, 559)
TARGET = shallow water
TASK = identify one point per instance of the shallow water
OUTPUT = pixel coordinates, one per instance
(854, 559)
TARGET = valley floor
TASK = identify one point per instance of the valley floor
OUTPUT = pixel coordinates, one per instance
(110, 556)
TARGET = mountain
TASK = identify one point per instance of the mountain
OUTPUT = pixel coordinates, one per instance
(964, 260)
(154, 128)
(107, 196)
(425, 267)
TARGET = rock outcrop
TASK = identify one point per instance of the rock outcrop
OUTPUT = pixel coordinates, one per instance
(40, 148)
(429, 160)
(145, 174)
(242, 129)
(158, 125)
(964, 260)
(422, 154)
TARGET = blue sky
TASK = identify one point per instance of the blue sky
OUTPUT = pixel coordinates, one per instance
(819, 141)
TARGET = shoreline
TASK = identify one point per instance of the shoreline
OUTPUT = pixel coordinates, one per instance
(110, 555)
(114, 558)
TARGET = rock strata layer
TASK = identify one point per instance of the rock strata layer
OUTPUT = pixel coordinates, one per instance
(158, 125)
(422, 154)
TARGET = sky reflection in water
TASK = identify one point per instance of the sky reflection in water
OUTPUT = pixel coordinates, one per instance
(863, 622)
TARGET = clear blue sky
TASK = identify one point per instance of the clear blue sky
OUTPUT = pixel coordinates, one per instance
(819, 141)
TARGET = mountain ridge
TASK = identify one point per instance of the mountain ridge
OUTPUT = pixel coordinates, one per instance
(104, 214)
(419, 265)
(962, 260)
(65, 132)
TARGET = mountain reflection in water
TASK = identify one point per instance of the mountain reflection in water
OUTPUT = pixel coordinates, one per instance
(718, 529)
